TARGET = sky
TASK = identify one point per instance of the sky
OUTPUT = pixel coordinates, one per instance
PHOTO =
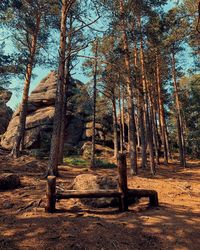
(41, 72)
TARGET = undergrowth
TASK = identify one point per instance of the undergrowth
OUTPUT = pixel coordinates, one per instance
(79, 161)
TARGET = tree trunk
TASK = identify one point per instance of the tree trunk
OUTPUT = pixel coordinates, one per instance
(143, 103)
(120, 120)
(63, 122)
(131, 111)
(149, 129)
(53, 157)
(123, 116)
(94, 106)
(181, 141)
(141, 126)
(146, 90)
(19, 139)
(161, 111)
(64, 106)
(152, 118)
(141, 140)
(115, 126)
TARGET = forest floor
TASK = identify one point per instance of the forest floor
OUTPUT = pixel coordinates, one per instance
(175, 224)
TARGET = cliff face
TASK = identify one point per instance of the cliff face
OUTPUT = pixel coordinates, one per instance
(40, 114)
(5, 111)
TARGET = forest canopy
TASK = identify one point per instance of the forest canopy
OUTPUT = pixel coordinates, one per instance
(140, 60)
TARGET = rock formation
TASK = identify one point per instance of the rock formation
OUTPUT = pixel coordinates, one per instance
(95, 183)
(9, 181)
(40, 115)
(5, 111)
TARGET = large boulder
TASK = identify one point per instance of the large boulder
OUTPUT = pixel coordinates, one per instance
(9, 181)
(103, 133)
(5, 111)
(86, 150)
(40, 114)
(5, 95)
(94, 183)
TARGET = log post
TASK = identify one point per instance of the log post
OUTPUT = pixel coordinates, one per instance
(51, 194)
(153, 200)
(122, 182)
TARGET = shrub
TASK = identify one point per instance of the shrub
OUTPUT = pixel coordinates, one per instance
(104, 164)
(76, 160)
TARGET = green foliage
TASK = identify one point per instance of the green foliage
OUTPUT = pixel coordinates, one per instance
(190, 107)
(10, 66)
(104, 164)
(189, 10)
(104, 115)
(38, 153)
(79, 161)
(190, 103)
(76, 160)
(79, 99)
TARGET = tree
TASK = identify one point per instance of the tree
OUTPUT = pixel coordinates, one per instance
(175, 39)
(53, 157)
(29, 21)
(95, 64)
(189, 98)
(131, 118)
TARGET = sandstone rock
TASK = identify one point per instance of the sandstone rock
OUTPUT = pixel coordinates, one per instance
(40, 114)
(103, 134)
(75, 129)
(86, 150)
(5, 111)
(99, 133)
(94, 183)
(9, 181)
(5, 95)
(5, 116)
(100, 150)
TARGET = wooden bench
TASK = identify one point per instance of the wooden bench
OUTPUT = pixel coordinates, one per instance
(123, 193)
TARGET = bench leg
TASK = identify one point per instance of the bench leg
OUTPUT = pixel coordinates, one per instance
(51, 194)
(153, 200)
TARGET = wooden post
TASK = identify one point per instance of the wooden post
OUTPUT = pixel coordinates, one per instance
(122, 182)
(51, 194)
(153, 200)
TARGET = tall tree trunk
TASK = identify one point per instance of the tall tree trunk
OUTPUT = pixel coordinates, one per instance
(131, 111)
(149, 128)
(137, 81)
(123, 116)
(138, 129)
(92, 165)
(20, 135)
(64, 105)
(181, 140)
(63, 121)
(150, 143)
(161, 110)
(167, 141)
(143, 102)
(120, 120)
(140, 101)
(154, 128)
(55, 140)
(146, 90)
(157, 133)
(115, 126)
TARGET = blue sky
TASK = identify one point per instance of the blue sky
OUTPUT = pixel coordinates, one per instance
(41, 72)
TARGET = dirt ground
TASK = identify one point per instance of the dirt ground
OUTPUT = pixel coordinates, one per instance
(175, 224)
